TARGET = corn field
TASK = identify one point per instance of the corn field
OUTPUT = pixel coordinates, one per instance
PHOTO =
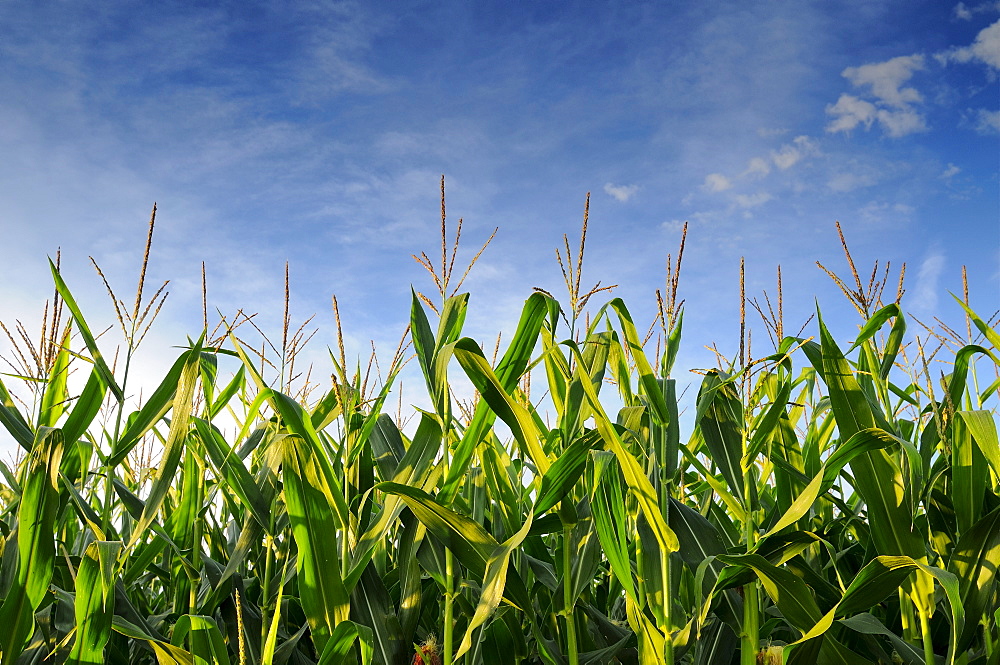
(830, 502)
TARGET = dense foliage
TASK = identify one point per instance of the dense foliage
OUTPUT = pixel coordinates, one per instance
(838, 498)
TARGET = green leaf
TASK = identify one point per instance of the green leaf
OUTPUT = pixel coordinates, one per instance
(878, 478)
(873, 583)
(55, 395)
(867, 624)
(13, 421)
(222, 399)
(515, 415)
(295, 419)
(152, 411)
(312, 514)
(564, 473)
(975, 562)
(36, 516)
(88, 337)
(494, 582)
(174, 446)
(792, 596)
(650, 386)
(95, 602)
(634, 476)
(508, 372)
(969, 473)
(166, 653)
(721, 426)
(87, 406)
(874, 324)
(651, 640)
(204, 638)
(233, 471)
(700, 545)
(608, 506)
(467, 539)
(767, 425)
(340, 649)
(372, 607)
(414, 469)
(984, 432)
(387, 445)
(862, 442)
(991, 334)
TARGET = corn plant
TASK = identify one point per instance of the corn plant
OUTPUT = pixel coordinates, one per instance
(824, 503)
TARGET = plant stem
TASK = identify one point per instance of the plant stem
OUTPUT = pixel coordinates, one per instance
(751, 625)
(925, 630)
(667, 627)
(109, 472)
(449, 608)
(574, 656)
(751, 592)
(449, 576)
(265, 623)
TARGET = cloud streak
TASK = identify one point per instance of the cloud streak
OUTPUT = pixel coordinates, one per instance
(621, 193)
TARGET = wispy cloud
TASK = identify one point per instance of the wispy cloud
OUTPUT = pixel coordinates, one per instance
(987, 122)
(752, 200)
(950, 172)
(847, 181)
(963, 12)
(881, 212)
(924, 297)
(716, 182)
(757, 167)
(792, 153)
(621, 193)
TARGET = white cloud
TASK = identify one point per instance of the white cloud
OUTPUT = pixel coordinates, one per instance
(790, 154)
(963, 12)
(849, 112)
(925, 294)
(986, 49)
(851, 180)
(880, 212)
(900, 123)
(988, 122)
(892, 104)
(987, 46)
(716, 182)
(752, 200)
(621, 192)
(756, 168)
(886, 79)
(950, 172)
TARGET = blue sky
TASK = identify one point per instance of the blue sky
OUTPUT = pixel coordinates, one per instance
(316, 132)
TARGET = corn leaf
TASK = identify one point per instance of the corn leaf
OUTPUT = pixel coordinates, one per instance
(88, 337)
(312, 514)
(340, 649)
(95, 602)
(36, 548)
